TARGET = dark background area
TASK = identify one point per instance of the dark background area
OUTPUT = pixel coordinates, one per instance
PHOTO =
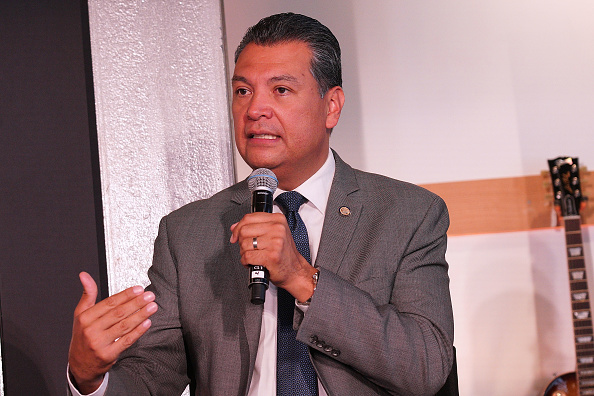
(51, 222)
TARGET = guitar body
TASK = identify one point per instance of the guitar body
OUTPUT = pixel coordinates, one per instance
(563, 385)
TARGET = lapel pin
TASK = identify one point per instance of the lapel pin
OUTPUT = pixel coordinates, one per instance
(345, 211)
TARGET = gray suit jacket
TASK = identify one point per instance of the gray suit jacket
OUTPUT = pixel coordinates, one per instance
(379, 323)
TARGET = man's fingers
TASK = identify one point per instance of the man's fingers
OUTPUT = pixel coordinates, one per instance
(269, 228)
(89, 295)
(109, 314)
(123, 334)
(123, 326)
(255, 224)
(125, 341)
(118, 305)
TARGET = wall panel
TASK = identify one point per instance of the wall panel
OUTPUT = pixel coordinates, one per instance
(162, 119)
(50, 202)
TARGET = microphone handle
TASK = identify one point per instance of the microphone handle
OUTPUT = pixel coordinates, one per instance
(261, 202)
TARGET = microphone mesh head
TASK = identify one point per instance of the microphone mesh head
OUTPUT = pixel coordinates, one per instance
(262, 179)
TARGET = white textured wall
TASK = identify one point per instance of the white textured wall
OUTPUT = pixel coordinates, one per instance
(162, 119)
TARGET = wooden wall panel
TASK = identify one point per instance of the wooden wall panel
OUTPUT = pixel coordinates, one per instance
(504, 205)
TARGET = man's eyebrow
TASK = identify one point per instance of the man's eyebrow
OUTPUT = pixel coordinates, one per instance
(239, 79)
(284, 77)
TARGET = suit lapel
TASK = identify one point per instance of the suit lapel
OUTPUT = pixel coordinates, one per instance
(252, 320)
(342, 215)
(240, 206)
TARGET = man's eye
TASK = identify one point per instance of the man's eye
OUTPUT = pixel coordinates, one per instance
(241, 91)
(282, 90)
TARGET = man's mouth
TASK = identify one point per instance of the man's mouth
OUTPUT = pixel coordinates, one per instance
(262, 136)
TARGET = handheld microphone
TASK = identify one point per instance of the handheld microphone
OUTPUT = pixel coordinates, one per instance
(262, 183)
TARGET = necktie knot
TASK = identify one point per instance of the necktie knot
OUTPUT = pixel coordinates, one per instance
(291, 201)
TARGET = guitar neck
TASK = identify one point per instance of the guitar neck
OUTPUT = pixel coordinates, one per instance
(580, 305)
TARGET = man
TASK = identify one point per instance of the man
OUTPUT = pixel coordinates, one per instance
(374, 310)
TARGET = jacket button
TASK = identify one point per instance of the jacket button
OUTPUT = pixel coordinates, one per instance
(335, 352)
(313, 339)
(328, 348)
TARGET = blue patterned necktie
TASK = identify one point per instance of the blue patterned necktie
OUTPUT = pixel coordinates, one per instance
(295, 374)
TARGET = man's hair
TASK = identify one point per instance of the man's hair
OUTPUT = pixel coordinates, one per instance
(282, 28)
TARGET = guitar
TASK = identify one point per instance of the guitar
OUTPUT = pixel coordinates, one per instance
(568, 199)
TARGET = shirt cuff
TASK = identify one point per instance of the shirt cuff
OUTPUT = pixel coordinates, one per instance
(302, 307)
(99, 392)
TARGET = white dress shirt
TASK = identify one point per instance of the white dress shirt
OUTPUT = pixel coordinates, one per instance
(316, 189)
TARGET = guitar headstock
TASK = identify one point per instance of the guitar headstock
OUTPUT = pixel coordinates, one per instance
(565, 178)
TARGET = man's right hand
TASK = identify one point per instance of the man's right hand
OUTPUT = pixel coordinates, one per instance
(102, 331)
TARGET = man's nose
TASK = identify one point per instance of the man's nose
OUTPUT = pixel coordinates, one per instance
(259, 107)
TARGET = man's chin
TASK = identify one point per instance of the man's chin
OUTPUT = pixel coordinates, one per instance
(261, 163)
(254, 167)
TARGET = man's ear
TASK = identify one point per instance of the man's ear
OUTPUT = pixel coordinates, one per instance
(334, 102)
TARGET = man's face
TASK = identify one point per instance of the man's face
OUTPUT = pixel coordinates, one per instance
(281, 122)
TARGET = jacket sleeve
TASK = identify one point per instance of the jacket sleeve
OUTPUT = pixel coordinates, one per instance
(156, 363)
(392, 332)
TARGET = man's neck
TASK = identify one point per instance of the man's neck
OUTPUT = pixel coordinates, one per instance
(324, 174)
(291, 182)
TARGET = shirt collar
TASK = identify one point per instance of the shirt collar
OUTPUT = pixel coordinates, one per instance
(317, 188)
